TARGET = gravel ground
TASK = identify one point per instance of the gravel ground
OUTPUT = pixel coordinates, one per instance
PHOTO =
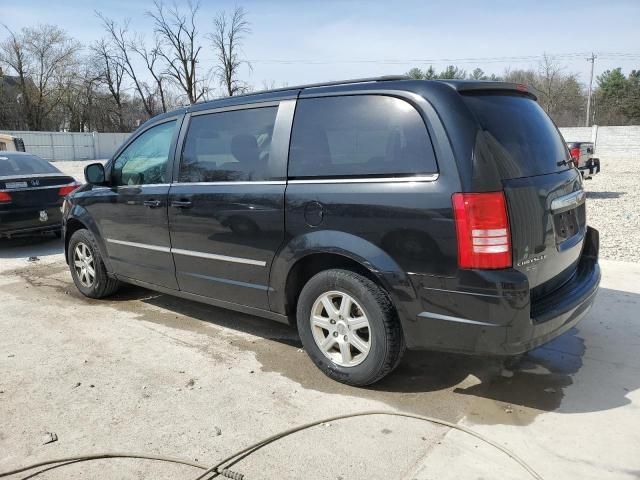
(613, 199)
(613, 203)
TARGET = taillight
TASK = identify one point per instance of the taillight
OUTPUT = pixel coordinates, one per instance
(482, 226)
(5, 197)
(575, 155)
(67, 189)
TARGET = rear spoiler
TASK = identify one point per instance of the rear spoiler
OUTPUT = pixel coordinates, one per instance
(490, 86)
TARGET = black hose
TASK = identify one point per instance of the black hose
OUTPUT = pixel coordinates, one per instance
(235, 457)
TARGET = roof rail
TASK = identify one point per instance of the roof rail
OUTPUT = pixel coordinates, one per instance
(385, 78)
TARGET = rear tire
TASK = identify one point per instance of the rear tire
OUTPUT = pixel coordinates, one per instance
(87, 267)
(336, 335)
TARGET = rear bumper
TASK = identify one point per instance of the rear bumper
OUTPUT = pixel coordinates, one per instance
(591, 167)
(491, 313)
(26, 221)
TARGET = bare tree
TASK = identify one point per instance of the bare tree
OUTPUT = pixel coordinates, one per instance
(41, 57)
(13, 54)
(559, 93)
(111, 74)
(178, 37)
(151, 57)
(78, 94)
(228, 33)
(119, 35)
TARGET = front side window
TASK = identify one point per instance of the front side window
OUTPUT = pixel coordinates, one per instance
(229, 146)
(144, 161)
(359, 135)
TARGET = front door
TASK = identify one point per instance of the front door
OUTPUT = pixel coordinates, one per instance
(132, 212)
(226, 209)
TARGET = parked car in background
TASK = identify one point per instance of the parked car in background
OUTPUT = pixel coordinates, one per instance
(31, 194)
(9, 143)
(582, 157)
(375, 215)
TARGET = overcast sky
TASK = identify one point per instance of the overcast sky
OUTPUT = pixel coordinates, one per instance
(328, 40)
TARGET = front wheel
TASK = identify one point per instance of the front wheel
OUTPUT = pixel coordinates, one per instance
(87, 268)
(349, 327)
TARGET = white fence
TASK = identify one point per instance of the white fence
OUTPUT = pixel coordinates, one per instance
(71, 145)
(610, 142)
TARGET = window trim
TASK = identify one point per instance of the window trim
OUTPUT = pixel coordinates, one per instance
(431, 177)
(281, 108)
(407, 97)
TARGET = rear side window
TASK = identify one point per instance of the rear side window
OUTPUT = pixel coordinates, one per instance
(229, 146)
(24, 165)
(522, 139)
(358, 136)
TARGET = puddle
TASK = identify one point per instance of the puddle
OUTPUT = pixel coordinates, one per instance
(427, 383)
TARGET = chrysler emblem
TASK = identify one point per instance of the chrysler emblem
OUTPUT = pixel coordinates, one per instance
(43, 216)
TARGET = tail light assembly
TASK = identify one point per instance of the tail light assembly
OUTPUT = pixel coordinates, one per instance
(482, 228)
(67, 189)
(5, 198)
(575, 155)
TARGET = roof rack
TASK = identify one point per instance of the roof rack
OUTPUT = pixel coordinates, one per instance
(385, 78)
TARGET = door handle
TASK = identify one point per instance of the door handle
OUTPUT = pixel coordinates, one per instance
(152, 203)
(181, 203)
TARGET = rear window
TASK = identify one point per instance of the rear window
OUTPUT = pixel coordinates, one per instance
(519, 134)
(359, 136)
(11, 165)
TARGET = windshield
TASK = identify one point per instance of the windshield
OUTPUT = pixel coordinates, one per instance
(11, 165)
(520, 137)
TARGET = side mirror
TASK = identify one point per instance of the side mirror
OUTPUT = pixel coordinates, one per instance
(94, 174)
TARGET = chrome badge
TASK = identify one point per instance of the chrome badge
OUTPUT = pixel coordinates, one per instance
(44, 216)
(530, 260)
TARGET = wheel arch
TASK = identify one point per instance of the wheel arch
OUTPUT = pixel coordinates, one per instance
(79, 219)
(309, 254)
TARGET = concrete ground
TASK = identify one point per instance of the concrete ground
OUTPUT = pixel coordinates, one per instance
(150, 373)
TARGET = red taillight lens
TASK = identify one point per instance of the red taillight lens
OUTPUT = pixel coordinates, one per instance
(67, 189)
(482, 225)
(575, 154)
(5, 197)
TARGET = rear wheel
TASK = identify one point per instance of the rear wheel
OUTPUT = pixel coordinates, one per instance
(87, 267)
(349, 327)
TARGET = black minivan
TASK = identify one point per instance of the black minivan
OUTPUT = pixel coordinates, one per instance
(376, 215)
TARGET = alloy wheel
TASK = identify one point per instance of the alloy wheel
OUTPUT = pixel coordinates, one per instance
(340, 328)
(83, 264)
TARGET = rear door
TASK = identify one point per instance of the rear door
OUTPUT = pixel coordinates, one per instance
(520, 144)
(226, 209)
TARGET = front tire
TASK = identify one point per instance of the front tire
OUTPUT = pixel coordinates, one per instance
(87, 267)
(349, 327)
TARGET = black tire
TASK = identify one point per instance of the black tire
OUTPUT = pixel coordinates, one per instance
(102, 285)
(385, 332)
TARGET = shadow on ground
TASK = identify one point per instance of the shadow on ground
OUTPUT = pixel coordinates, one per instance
(24, 247)
(604, 195)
